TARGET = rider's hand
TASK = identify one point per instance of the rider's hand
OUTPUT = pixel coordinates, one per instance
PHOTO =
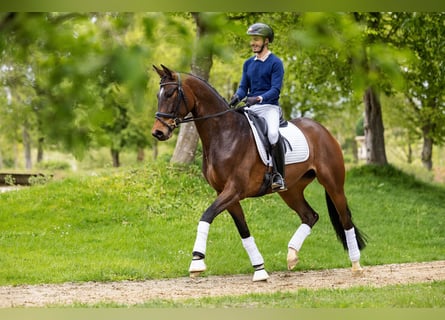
(252, 100)
(234, 101)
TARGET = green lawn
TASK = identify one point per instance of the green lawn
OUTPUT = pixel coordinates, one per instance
(140, 223)
(426, 295)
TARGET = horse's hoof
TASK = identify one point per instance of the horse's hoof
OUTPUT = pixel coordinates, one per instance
(260, 275)
(197, 266)
(292, 258)
(357, 270)
(195, 274)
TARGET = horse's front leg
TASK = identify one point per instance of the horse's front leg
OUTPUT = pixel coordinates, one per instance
(256, 259)
(225, 199)
(197, 266)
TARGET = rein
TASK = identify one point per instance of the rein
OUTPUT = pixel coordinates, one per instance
(181, 97)
(190, 119)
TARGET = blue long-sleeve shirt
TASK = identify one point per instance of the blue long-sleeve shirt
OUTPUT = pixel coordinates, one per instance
(262, 78)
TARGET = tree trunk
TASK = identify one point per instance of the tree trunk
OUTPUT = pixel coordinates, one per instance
(40, 149)
(201, 64)
(155, 149)
(141, 154)
(115, 157)
(16, 155)
(374, 130)
(427, 148)
(27, 146)
(187, 144)
(410, 154)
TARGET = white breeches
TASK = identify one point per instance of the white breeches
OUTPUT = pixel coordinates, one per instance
(271, 113)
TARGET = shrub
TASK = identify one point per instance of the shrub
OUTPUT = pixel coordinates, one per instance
(53, 165)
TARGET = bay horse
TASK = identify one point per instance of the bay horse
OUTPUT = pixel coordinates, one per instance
(232, 166)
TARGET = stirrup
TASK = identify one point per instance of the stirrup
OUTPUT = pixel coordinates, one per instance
(278, 184)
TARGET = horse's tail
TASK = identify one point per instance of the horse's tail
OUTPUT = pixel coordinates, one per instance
(336, 223)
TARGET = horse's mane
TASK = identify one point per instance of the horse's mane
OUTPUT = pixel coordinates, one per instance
(209, 86)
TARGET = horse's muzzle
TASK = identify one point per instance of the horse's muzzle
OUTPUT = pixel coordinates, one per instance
(160, 135)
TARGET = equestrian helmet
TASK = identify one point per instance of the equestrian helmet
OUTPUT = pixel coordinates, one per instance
(261, 29)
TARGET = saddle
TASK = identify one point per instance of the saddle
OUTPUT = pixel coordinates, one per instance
(261, 126)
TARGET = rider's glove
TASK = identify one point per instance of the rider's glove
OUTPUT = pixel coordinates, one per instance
(234, 101)
(252, 100)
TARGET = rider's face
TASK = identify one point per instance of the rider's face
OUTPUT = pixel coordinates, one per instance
(258, 43)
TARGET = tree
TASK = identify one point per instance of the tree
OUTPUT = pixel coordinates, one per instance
(355, 47)
(122, 81)
(75, 81)
(19, 106)
(207, 29)
(424, 35)
(74, 60)
(45, 45)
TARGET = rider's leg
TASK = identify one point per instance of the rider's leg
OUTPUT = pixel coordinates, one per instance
(272, 114)
(277, 152)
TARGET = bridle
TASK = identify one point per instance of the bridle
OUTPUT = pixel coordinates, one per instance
(175, 115)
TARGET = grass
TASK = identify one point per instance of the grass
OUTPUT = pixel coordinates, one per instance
(429, 295)
(421, 295)
(140, 223)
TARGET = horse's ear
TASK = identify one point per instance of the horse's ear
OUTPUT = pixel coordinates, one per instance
(167, 71)
(159, 71)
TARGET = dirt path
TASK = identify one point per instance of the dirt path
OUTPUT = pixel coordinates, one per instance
(134, 292)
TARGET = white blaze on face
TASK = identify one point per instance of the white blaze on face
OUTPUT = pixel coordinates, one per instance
(161, 92)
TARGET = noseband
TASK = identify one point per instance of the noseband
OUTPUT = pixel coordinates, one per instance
(175, 115)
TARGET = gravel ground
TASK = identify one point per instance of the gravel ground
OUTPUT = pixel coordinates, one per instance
(136, 292)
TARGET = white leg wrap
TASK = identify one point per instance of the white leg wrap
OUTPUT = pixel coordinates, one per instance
(299, 236)
(254, 254)
(201, 237)
(351, 241)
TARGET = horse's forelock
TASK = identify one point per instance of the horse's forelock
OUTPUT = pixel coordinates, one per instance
(165, 78)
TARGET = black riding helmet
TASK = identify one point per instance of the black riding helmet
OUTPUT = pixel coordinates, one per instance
(261, 29)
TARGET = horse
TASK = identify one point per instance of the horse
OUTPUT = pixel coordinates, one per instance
(232, 166)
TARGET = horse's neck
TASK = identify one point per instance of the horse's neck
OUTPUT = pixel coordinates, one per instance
(214, 131)
(212, 128)
(208, 102)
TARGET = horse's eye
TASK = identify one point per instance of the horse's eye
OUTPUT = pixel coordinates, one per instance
(169, 93)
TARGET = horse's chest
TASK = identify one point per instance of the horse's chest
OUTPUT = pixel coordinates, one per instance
(215, 176)
(219, 164)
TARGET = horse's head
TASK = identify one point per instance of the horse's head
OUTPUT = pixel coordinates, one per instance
(173, 103)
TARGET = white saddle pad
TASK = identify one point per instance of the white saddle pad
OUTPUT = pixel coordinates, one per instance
(298, 152)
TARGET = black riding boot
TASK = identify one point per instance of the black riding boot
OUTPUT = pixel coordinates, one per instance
(277, 152)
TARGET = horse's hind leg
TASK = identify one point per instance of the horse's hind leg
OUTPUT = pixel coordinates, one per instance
(347, 232)
(341, 219)
(294, 198)
(248, 241)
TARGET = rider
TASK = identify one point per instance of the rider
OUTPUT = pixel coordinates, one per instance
(261, 83)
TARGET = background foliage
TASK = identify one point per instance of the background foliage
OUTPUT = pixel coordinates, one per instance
(78, 82)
